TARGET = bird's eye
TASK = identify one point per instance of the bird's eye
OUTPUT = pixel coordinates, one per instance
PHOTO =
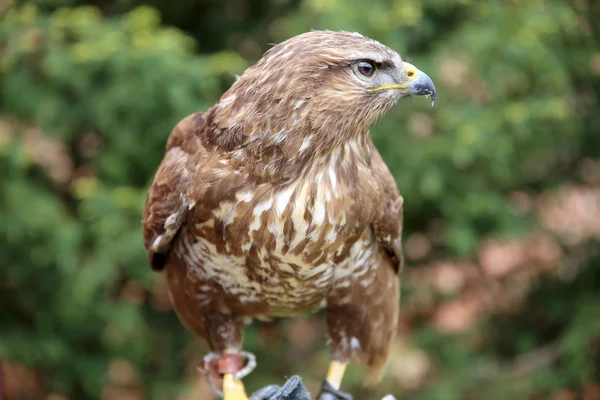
(366, 68)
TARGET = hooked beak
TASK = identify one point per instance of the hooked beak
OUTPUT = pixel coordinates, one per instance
(417, 83)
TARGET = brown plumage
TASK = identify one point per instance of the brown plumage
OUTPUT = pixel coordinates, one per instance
(275, 201)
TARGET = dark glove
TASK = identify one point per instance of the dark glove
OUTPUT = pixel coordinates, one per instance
(293, 389)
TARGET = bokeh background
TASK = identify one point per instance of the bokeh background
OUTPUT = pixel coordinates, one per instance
(501, 294)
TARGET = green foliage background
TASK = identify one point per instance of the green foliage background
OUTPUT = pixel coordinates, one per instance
(91, 89)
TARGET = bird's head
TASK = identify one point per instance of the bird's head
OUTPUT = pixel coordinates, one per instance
(348, 73)
(330, 81)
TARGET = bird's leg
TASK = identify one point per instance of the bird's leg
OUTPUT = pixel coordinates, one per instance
(335, 374)
(361, 324)
(224, 334)
(230, 366)
(233, 388)
(331, 386)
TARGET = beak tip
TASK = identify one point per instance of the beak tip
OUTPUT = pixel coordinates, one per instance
(423, 86)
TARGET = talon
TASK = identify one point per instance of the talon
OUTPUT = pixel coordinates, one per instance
(331, 386)
(328, 392)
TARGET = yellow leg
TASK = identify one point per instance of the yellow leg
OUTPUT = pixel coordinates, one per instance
(233, 389)
(336, 373)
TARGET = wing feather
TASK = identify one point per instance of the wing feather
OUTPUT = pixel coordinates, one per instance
(388, 225)
(167, 203)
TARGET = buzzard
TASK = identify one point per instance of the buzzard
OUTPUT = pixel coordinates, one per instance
(275, 202)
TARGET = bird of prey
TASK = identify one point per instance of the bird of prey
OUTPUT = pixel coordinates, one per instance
(275, 202)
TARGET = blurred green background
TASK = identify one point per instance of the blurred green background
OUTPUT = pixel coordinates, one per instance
(501, 180)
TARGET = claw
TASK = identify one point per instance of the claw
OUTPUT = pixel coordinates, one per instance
(328, 392)
(333, 381)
